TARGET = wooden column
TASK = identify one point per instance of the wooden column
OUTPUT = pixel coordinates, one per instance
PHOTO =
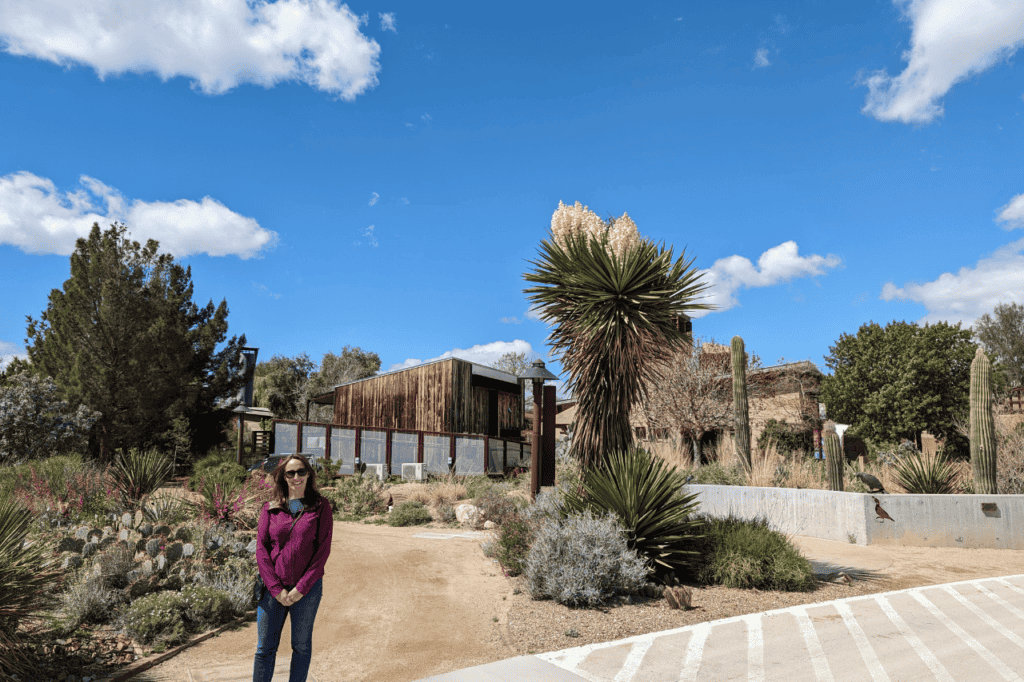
(547, 472)
(535, 444)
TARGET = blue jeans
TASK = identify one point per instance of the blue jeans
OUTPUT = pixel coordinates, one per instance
(270, 615)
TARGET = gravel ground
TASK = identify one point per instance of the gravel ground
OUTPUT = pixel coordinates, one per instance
(534, 627)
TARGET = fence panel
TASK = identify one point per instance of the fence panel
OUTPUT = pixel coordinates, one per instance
(496, 456)
(285, 437)
(314, 441)
(343, 449)
(373, 447)
(403, 450)
(435, 454)
(527, 455)
(469, 456)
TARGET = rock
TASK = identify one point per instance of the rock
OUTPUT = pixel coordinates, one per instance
(173, 551)
(71, 561)
(679, 597)
(490, 525)
(89, 549)
(237, 548)
(188, 549)
(82, 533)
(161, 562)
(153, 547)
(467, 513)
(146, 567)
(146, 530)
(251, 547)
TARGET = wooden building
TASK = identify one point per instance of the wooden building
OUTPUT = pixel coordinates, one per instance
(445, 396)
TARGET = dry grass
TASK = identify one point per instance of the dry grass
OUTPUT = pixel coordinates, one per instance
(438, 494)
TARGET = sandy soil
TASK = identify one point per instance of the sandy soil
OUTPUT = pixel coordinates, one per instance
(398, 608)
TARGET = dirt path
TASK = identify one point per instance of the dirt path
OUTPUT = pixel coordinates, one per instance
(398, 608)
(395, 608)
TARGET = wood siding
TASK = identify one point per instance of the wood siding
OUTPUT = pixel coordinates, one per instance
(442, 396)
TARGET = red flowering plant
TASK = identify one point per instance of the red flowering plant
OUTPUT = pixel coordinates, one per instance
(65, 487)
(228, 500)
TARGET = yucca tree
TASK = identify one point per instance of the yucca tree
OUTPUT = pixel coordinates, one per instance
(614, 300)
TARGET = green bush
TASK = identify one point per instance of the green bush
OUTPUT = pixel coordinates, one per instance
(216, 466)
(326, 473)
(409, 513)
(205, 607)
(583, 560)
(787, 439)
(512, 544)
(156, 617)
(357, 496)
(716, 473)
(646, 495)
(496, 505)
(749, 554)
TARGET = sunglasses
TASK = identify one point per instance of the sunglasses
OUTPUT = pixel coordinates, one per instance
(296, 472)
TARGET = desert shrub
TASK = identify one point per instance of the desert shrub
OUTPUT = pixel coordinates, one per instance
(568, 474)
(63, 485)
(358, 496)
(137, 473)
(496, 505)
(203, 607)
(583, 560)
(234, 577)
(114, 563)
(224, 500)
(749, 554)
(921, 474)
(156, 617)
(1010, 459)
(167, 509)
(439, 493)
(26, 579)
(512, 544)
(326, 472)
(477, 486)
(548, 506)
(446, 514)
(87, 599)
(216, 466)
(716, 473)
(785, 438)
(409, 513)
(648, 498)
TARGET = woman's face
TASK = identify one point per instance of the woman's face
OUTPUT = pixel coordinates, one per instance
(295, 475)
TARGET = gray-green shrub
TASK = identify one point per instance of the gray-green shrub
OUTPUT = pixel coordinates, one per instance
(750, 554)
(357, 496)
(409, 513)
(156, 617)
(582, 560)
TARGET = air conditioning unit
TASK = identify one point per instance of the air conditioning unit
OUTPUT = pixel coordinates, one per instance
(375, 470)
(412, 472)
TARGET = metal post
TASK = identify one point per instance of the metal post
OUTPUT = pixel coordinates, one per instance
(241, 437)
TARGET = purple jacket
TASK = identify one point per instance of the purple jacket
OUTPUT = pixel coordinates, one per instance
(284, 565)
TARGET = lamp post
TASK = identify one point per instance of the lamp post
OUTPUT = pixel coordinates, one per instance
(538, 375)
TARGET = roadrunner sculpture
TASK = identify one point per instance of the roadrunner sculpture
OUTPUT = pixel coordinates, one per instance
(882, 514)
(873, 484)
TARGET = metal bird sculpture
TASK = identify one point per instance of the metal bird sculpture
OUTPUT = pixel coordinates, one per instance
(873, 484)
(882, 514)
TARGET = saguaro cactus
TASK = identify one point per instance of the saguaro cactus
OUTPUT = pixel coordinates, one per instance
(834, 459)
(983, 427)
(741, 409)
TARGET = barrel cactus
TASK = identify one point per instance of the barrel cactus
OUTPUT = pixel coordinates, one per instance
(741, 409)
(834, 459)
(983, 428)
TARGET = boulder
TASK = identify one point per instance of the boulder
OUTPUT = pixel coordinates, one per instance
(188, 549)
(467, 513)
(490, 525)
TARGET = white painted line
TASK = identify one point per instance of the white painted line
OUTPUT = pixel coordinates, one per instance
(822, 672)
(874, 665)
(434, 536)
(567, 659)
(976, 610)
(694, 653)
(633, 660)
(1002, 602)
(1010, 585)
(926, 655)
(970, 641)
(755, 648)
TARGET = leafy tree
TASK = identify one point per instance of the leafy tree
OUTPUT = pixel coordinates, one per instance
(124, 338)
(12, 369)
(352, 364)
(513, 363)
(891, 383)
(35, 422)
(1001, 334)
(615, 300)
(279, 384)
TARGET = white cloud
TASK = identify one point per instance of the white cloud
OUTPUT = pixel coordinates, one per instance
(216, 43)
(482, 354)
(426, 117)
(761, 58)
(533, 314)
(1012, 215)
(404, 201)
(388, 22)
(950, 41)
(36, 217)
(510, 320)
(264, 291)
(9, 351)
(374, 198)
(969, 293)
(370, 236)
(778, 264)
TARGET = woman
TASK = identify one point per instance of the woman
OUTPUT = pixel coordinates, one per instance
(293, 543)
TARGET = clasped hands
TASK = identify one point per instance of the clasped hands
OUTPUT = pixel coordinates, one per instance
(288, 597)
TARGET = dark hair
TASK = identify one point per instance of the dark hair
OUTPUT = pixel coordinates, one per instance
(309, 497)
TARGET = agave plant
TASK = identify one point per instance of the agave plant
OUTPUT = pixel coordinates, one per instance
(26, 581)
(137, 473)
(615, 300)
(926, 475)
(646, 495)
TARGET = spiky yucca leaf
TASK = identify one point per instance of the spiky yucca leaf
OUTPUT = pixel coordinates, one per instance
(615, 325)
(138, 473)
(927, 475)
(647, 496)
(26, 581)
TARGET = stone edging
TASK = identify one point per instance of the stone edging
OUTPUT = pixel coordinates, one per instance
(153, 660)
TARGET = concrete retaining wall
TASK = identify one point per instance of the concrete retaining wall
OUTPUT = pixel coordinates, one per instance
(975, 521)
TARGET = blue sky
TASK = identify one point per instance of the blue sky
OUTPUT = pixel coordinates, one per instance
(380, 175)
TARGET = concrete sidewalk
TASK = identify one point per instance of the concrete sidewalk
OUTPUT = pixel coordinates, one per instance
(962, 632)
